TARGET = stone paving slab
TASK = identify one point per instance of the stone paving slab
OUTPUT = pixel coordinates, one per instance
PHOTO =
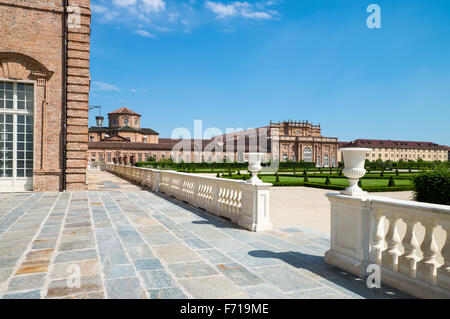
(132, 243)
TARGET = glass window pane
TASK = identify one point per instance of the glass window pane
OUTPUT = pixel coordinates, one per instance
(21, 96)
(2, 173)
(9, 86)
(20, 173)
(30, 88)
(2, 118)
(20, 128)
(20, 119)
(8, 173)
(9, 128)
(20, 146)
(30, 105)
(2, 155)
(9, 137)
(9, 95)
(8, 164)
(29, 164)
(29, 120)
(29, 128)
(29, 146)
(2, 85)
(2, 103)
(2, 165)
(9, 104)
(29, 155)
(20, 155)
(9, 119)
(21, 87)
(29, 138)
(20, 164)
(2, 94)
(20, 105)
(9, 146)
(9, 155)
(29, 173)
(20, 138)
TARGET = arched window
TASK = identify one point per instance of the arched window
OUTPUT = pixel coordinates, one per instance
(293, 158)
(285, 158)
(333, 161)
(319, 161)
(307, 155)
(326, 161)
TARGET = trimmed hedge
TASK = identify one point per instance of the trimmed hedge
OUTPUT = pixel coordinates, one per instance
(433, 186)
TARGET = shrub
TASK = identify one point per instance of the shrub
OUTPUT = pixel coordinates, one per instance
(277, 178)
(328, 181)
(396, 172)
(391, 182)
(218, 175)
(360, 183)
(382, 173)
(305, 172)
(306, 180)
(433, 186)
(340, 172)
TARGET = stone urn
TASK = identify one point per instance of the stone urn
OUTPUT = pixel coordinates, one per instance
(132, 160)
(254, 167)
(115, 161)
(121, 160)
(354, 159)
(125, 160)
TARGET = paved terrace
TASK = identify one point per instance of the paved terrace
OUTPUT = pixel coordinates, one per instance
(132, 243)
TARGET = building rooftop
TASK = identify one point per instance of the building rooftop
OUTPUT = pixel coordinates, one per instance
(392, 144)
(124, 110)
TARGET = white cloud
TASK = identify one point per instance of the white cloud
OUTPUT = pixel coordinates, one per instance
(98, 9)
(153, 5)
(124, 3)
(102, 86)
(145, 33)
(240, 9)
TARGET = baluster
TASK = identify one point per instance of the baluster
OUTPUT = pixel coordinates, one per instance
(390, 255)
(426, 268)
(408, 261)
(443, 273)
(378, 240)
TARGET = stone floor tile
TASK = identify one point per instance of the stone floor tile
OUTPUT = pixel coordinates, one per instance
(60, 288)
(26, 282)
(239, 275)
(76, 255)
(230, 245)
(286, 278)
(148, 264)
(318, 293)
(118, 271)
(197, 243)
(64, 270)
(214, 256)
(192, 269)
(44, 244)
(167, 293)
(265, 291)
(34, 294)
(124, 288)
(5, 273)
(33, 267)
(157, 279)
(76, 245)
(161, 239)
(211, 287)
(259, 259)
(176, 253)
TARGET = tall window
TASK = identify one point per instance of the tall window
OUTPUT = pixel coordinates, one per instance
(333, 161)
(326, 161)
(16, 134)
(319, 161)
(285, 158)
(307, 155)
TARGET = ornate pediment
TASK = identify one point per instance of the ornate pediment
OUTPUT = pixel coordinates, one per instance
(17, 66)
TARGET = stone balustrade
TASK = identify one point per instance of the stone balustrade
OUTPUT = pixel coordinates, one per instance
(410, 241)
(244, 204)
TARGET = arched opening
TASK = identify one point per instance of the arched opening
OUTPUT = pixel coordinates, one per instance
(307, 154)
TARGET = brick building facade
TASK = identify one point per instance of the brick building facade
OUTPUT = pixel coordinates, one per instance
(44, 94)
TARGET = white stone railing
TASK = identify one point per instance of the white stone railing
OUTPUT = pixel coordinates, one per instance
(243, 203)
(410, 241)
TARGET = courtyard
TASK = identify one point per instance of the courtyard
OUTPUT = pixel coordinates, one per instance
(128, 242)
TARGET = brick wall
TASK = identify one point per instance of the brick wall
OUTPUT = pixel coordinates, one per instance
(32, 42)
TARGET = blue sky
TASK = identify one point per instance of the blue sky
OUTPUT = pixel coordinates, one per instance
(240, 64)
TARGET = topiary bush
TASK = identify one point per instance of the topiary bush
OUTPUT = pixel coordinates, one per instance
(277, 178)
(433, 186)
(306, 180)
(327, 181)
(391, 182)
(396, 172)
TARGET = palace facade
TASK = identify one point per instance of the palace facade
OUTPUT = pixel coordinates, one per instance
(389, 150)
(124, 141)
(44, 94)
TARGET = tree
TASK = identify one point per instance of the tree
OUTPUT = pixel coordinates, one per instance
(391, 182)
(382, 173)
(305, 172)
(328, 181)
(396, 172)
(306, 180)
(277, 178)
